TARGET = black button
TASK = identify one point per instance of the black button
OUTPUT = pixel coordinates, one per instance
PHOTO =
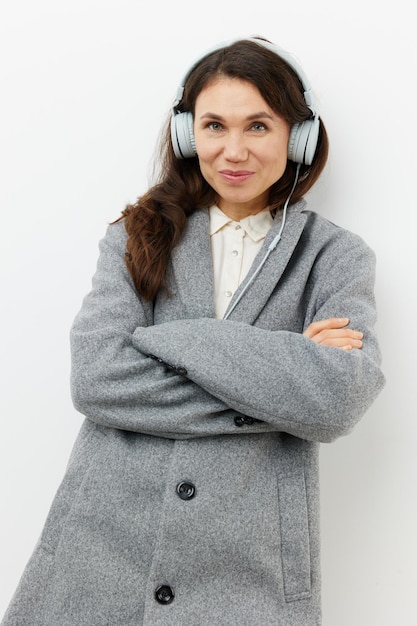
(242, 420)
(186, 491)
(181, 370)
(155, 358)
(164, 594)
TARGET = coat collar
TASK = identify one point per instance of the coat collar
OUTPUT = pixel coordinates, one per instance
(193, 274)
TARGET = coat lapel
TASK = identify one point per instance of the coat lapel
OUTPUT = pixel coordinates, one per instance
(191, 268)
(192, 274)
(259, 292)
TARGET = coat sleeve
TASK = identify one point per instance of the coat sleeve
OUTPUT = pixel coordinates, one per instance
(283, 378)
(113, 382)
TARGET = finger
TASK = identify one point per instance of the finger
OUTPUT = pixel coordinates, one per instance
(344, 334)
(332, 322)
(343, 343)
(349, 348)
(339, 342)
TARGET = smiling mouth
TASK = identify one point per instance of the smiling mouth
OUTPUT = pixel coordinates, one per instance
(239, 176)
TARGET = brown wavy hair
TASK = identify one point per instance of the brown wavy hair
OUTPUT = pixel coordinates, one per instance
(154, 224)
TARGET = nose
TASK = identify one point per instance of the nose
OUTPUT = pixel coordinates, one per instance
(235, 149)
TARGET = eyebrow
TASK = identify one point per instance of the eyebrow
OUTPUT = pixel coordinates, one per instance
(254, 116)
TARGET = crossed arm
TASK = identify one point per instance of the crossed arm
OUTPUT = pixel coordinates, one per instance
(288, 381)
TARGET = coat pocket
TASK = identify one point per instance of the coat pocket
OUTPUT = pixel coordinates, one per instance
(295, 541)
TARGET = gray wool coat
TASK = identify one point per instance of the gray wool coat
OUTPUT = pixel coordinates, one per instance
(191, 497)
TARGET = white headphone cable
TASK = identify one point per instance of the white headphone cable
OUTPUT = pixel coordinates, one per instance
(270, 248)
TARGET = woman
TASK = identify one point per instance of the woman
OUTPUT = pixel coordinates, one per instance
(228, 332)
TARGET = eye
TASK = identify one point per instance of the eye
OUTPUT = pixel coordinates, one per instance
(214, 126)
(258, 127)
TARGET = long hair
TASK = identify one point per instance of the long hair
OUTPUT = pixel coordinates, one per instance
(155, 223)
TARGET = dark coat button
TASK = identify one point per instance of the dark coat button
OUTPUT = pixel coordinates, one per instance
(155, 358)
(186, 491)
(164, 594)
(242, 420)
(181, 370)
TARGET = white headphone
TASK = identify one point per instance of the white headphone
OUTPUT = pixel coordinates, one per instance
(304, 136)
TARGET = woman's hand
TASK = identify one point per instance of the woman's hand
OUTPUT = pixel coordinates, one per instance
(333, 332)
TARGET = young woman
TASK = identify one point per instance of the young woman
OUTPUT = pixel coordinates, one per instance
(228, 332)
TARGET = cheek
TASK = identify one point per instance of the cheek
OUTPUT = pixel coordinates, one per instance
(205, 152)
(278, 156)
(208, 148)
(206, 158)
(204, 163)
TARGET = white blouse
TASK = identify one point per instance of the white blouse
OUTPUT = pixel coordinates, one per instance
(234, 246)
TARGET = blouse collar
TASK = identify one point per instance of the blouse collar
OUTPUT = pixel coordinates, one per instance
(256, 226)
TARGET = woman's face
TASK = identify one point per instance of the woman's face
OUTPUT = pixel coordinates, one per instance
(241, 145)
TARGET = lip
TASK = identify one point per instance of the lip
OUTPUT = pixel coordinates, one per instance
(236, 176)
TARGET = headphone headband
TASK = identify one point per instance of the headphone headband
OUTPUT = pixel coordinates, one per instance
(283, 54)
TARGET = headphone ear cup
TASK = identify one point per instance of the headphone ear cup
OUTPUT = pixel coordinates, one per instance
(303, 141)
(182, 135)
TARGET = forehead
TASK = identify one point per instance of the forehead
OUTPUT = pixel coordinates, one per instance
(228, 94)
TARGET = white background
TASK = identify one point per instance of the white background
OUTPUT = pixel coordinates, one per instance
(84, 87)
